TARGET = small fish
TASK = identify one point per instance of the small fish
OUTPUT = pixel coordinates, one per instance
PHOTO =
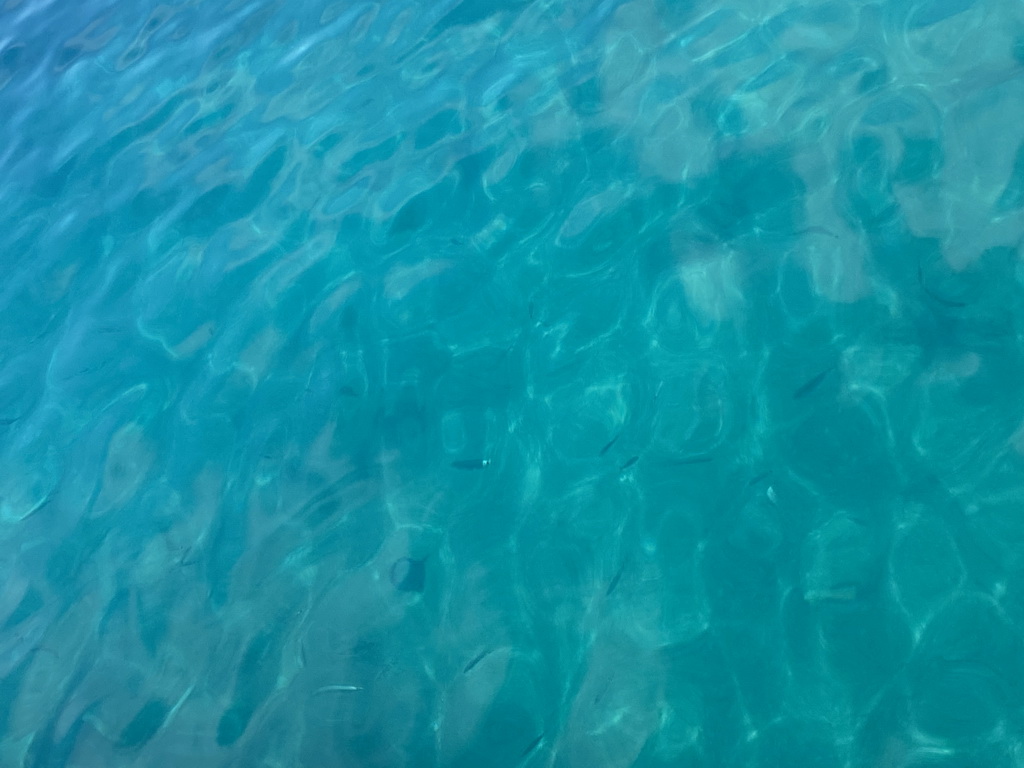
(185, 558)
(476, 660)
(811, 384)
(472, 464)
(609, 444)
(615, 581)
(817, 231)
(629, 463)
(336, 689)
(531, 747)
(842, 594)
(687, 460)
(758, 478)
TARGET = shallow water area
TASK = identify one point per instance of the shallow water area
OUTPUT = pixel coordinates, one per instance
(607, 383)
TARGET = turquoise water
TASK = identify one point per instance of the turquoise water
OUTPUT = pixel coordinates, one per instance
(577, 384)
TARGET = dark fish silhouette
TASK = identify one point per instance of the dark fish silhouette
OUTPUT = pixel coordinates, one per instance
(758, 478)
(476, 660)
(472, 464)
(609, 444)
(615, 581)
(817, 231)
(811, 384)
(632, 460)
(701, 458)
(531, 747)
(409, 575)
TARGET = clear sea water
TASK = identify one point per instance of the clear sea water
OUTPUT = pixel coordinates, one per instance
(569, 383)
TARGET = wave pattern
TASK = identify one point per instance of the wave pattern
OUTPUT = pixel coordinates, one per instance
(588, 383)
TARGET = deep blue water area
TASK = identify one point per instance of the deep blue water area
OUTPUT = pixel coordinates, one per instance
(507, 384)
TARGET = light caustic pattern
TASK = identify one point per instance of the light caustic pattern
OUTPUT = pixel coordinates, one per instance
(593, 384)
